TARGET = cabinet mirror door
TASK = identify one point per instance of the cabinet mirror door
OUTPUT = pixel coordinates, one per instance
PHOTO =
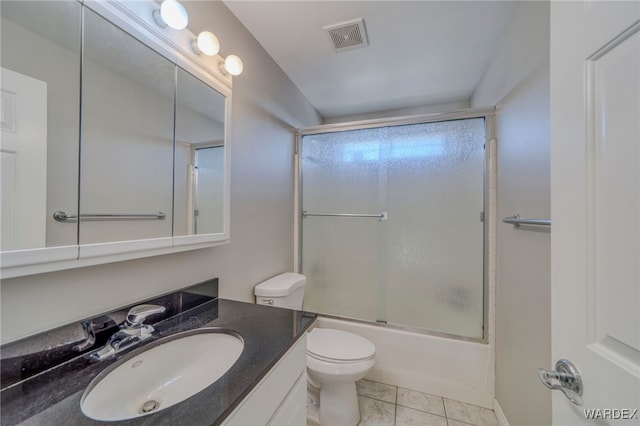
(200, 158)
(126, 185)
(40, 75)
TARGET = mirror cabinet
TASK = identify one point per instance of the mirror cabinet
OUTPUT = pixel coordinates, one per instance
(114, 144)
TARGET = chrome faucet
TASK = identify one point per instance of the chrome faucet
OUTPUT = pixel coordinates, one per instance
(132, 332)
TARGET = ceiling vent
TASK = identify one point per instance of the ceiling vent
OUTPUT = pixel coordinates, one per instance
(347, 35)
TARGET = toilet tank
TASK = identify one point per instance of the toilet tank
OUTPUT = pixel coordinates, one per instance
(285, 290)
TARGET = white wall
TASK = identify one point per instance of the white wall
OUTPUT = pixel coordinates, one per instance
(267, 106)
(517, 81)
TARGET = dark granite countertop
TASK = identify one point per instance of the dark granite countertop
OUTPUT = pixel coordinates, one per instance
(53, 396)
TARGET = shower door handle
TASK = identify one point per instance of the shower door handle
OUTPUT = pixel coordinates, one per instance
(382, 216)
(568, 380)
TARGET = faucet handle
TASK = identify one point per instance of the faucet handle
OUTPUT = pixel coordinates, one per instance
(137, 314)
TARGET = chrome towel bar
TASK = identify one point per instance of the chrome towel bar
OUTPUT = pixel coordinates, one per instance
(517, 221)
(61, 216)
(382, 216)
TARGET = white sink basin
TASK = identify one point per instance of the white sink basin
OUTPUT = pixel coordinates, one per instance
(169, 371)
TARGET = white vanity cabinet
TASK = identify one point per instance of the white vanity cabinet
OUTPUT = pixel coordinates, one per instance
(280, 397)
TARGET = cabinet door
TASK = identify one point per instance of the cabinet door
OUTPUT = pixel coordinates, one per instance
(293, 410)
(199, 200)
(277, 393)
(126, 176)
(39, 127)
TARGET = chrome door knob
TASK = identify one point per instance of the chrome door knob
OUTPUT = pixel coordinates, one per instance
(567, 378)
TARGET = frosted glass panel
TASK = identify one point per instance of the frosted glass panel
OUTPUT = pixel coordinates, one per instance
(423, 267)
(341, 171)
(435, 239)
(341, 265)
(341, 254)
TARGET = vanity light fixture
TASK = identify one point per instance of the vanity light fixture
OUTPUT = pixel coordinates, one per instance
(232, 65)
(172, 14)
(206, 43)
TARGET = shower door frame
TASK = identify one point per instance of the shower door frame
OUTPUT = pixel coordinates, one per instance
(489, 213)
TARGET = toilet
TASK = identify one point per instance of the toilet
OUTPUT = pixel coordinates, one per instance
(336, 359)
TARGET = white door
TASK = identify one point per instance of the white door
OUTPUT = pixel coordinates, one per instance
(23, 155)
(595, 199)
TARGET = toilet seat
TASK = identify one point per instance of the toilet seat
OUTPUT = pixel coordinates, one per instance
(338, 346)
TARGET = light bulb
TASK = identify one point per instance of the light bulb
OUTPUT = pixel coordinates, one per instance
(207, 43)
(173, 14)
(233, 65)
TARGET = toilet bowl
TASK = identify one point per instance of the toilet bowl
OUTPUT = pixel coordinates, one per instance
(336, 359)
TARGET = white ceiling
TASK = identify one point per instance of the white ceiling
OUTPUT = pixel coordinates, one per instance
(419, 53)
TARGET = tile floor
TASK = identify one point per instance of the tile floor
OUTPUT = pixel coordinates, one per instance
(386, 405)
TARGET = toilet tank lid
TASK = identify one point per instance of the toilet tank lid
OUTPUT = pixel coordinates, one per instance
(281, 285)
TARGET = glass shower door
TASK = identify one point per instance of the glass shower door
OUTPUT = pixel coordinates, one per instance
(422, 265)
(435, 250)
(341, 254)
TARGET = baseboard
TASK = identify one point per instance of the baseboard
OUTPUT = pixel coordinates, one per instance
(502, 419)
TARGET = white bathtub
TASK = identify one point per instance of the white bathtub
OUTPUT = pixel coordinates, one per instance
(450, 368)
